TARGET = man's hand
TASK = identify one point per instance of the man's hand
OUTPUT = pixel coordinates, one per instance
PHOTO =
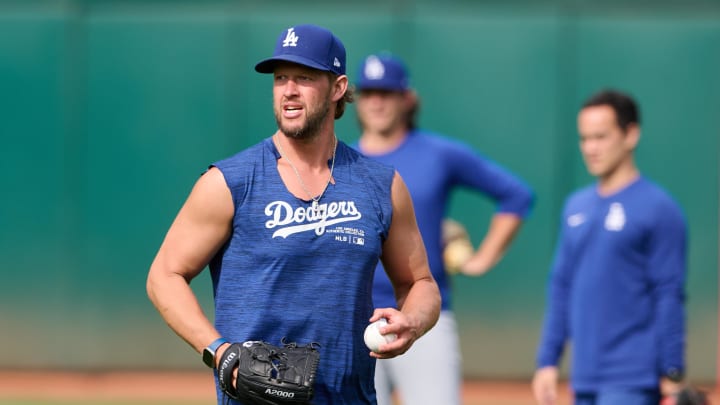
(669, 388)
(544, 385)
(400, 324)
(680, 393)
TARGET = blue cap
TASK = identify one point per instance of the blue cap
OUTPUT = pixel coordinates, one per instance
(308, 45)
(383, 72)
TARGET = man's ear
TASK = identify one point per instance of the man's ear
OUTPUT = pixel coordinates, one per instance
(411, 98)
(339, 87)
(632, 135)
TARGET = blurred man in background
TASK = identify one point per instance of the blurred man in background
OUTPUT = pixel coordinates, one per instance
(616, 288)
(432, 166)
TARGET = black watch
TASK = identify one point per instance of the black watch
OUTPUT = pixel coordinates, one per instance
(673, 374)
(208, 355)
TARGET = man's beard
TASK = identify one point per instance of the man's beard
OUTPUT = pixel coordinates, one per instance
(312, 125)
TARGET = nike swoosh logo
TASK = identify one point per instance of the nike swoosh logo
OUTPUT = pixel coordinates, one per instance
(576, 220)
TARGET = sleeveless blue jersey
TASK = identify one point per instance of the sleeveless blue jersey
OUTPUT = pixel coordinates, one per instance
(432, 166)
(289, 274)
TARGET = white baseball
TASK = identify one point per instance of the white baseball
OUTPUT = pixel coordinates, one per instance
(373, 338)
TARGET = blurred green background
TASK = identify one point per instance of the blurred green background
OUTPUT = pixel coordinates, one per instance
(111, 109)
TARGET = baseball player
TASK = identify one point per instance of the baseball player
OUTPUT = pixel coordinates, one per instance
(616, 289)
(292, 230)
(432, 166)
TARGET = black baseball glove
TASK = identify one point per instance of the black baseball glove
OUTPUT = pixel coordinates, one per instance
(691, 396)
(269, 374)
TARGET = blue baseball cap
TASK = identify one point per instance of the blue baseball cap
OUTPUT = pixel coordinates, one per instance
(383, 72)
(308, 45)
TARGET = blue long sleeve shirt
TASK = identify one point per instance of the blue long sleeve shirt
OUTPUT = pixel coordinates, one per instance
(616, 288)
(432, 166)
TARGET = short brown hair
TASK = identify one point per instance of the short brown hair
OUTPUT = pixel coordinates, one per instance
(625, 107)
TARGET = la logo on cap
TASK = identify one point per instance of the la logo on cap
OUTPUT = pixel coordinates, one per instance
(374, 69)
(290, 39)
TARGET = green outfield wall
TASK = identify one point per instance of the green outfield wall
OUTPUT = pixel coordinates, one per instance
(111, 109)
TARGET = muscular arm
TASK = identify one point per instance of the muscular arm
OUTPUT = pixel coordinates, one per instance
(405, 261)
(502, 230)
(201, 227)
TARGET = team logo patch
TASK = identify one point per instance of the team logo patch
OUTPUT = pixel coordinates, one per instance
(615, 218)
(291, 38)
(289, 220)
(374, 69)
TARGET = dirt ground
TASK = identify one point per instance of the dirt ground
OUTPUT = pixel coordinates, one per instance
(197, 388)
